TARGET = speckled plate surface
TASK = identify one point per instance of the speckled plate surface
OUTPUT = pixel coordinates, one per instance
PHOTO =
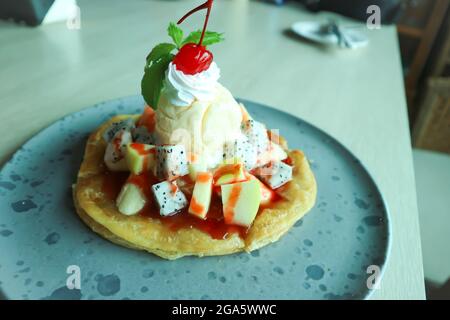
(325, 256)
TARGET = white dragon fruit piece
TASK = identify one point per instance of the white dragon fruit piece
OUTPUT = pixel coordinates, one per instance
(241, 149)
(257, 135)
(169, 197)
(142, 135)
(123, 125)
(171, 162)
(275, 174)
(115, 151)
(274, 153)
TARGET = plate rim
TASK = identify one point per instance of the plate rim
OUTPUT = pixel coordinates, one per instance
(388, 249)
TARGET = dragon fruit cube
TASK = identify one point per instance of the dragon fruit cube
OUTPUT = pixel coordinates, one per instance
(241, 150)
(142, 135)
(275, 174)
(123, 125)
(171, 162)
(115, 151)
(169, 197)
(257, 135)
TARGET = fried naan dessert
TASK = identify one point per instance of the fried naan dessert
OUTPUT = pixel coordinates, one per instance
(194, 174)
(180, 235)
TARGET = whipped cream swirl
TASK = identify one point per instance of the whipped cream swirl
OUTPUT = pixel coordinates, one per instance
(182, 89)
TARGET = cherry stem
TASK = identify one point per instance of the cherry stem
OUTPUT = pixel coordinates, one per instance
(207, 5)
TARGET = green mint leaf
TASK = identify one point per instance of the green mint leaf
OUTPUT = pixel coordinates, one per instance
(159, 51)
(152, 81)
(176, 34)
(210, 37)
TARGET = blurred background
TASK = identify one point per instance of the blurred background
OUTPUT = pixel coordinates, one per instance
(423, 28)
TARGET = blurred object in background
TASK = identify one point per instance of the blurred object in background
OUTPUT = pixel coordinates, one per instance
(432, 170)
(277, 2)
(422, 28)
(432, 127)
(357, 9)
(30, 12)
(36, 12)
(330, 34)
(436, 292)
(424, 33)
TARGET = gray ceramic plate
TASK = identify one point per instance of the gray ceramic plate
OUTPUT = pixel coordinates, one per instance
(324, 256)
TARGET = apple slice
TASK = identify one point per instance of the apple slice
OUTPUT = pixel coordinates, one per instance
(140, 157)
(229, 173)
(201, 196)
(267, 194)
(195, 168)
(131, 199)
(241, 202)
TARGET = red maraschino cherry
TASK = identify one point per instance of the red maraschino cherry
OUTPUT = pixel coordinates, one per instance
(194, 58)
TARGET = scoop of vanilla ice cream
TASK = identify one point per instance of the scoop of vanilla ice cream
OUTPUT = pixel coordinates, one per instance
(202, 127)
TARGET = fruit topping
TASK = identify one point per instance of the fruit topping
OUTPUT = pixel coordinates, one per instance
(201, 197)
(229, 173)
(273, 153)
(171, 162)
(267, 195)
(257, 135)
(193, 58)
(140, 157)
(115, 151)
(240, 150)
(169, 197)
(196, 167)
(142, 135)
(123, 125)
(131, 199)
(241, 202)
(275, 174)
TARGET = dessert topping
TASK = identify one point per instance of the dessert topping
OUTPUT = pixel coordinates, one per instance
(193, 57)
(115, 151)
(201, 196)
(169, 202)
